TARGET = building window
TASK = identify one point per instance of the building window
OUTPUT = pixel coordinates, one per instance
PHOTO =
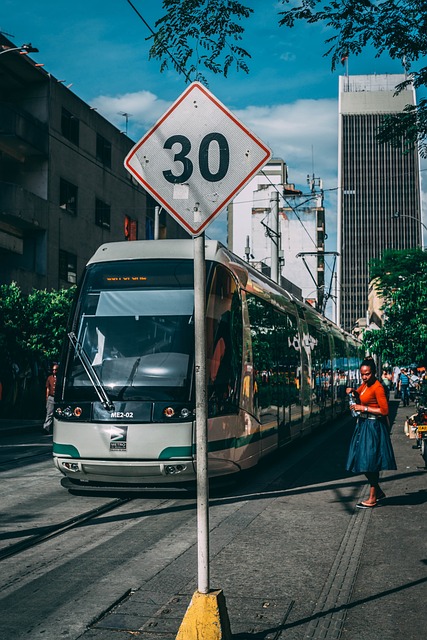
(67, 267)
(70, 126)
(103, 150)
(68, 196)
(131, 228)
(102, 214)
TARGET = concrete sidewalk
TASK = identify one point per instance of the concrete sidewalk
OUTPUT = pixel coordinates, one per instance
(297, 560)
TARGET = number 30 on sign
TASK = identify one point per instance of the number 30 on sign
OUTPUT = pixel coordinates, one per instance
(196, 158)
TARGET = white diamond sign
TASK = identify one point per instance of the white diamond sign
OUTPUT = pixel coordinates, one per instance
(196, 158)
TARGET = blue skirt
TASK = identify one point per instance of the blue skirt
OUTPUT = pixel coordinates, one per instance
(370, 447)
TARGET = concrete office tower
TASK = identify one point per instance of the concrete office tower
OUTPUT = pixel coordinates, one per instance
(379, 200)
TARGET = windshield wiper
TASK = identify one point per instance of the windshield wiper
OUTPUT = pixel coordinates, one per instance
(91, 373)
(129, 381)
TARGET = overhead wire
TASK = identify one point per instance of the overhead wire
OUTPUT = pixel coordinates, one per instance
(175, 61)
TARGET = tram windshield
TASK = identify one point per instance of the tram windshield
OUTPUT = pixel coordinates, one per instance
(135, 324)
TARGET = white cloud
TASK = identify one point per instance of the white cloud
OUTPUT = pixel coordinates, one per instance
(298, 132)
(144, 109)
(302, 133)
(287, 56)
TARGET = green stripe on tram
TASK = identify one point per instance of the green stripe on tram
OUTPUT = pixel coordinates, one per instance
(217, 445)
(66, 450)
(175, 452)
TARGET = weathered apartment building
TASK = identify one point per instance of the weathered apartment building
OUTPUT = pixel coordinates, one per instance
(63, 187)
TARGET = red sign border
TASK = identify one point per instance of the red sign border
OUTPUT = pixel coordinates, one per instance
(157, 196)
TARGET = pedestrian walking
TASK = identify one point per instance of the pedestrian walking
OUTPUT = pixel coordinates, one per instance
(387, 382)
(370, 450)
(50, 395)
(396, 373)
(404, 386)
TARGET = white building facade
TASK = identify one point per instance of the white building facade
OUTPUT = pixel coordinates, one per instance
(300, 230)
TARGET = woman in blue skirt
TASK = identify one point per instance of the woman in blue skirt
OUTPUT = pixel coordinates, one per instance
(371, 450)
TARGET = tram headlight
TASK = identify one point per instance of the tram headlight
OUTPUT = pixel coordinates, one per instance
(77, 412)
(71, 466)
(173, 469)
(182, 413)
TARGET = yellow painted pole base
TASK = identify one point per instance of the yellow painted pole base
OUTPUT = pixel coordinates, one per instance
(206, 618)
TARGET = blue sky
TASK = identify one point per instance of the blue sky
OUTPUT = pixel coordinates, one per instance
(289, 99)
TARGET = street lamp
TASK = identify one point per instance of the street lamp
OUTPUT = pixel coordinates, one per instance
(397, 215)
(23, 49)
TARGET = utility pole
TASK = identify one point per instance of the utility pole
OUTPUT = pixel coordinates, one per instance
(275, 236)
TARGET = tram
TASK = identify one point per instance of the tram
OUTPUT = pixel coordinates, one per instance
(124, 405)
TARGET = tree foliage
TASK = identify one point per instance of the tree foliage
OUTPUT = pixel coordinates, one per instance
(200, 33)
(197, 34)
(401, 280)
(395, 27)
(32, 327)
(48, 313)
(12, 323)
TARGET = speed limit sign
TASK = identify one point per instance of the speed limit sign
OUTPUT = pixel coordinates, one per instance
(196, 158)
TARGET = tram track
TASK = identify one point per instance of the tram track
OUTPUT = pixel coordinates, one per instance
(60, 528)
(10, 463)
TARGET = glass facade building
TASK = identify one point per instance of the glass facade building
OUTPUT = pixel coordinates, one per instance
(379, 198)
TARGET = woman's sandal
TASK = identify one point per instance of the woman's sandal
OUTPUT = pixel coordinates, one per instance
(363, 505)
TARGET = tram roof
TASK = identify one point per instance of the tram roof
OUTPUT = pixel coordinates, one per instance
(143, 249)
(250, 278)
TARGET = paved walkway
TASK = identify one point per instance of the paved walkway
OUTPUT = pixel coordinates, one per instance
(298, 561)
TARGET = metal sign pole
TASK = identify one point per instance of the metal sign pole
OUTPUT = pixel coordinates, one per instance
(201, 414)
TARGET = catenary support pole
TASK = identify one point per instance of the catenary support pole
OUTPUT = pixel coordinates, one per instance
(274, 208)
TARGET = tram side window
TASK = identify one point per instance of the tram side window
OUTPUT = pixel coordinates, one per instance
(224, 328)
(275, 356)
(287, 348)
(340, 368)
(321, 367)
(263, 350)
(355, 356)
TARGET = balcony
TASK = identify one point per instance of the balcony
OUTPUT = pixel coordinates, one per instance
(22, 209)
(21, 134)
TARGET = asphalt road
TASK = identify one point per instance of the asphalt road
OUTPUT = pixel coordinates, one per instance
(294, 558)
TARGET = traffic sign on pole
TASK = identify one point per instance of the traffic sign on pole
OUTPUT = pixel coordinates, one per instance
(196, 158)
